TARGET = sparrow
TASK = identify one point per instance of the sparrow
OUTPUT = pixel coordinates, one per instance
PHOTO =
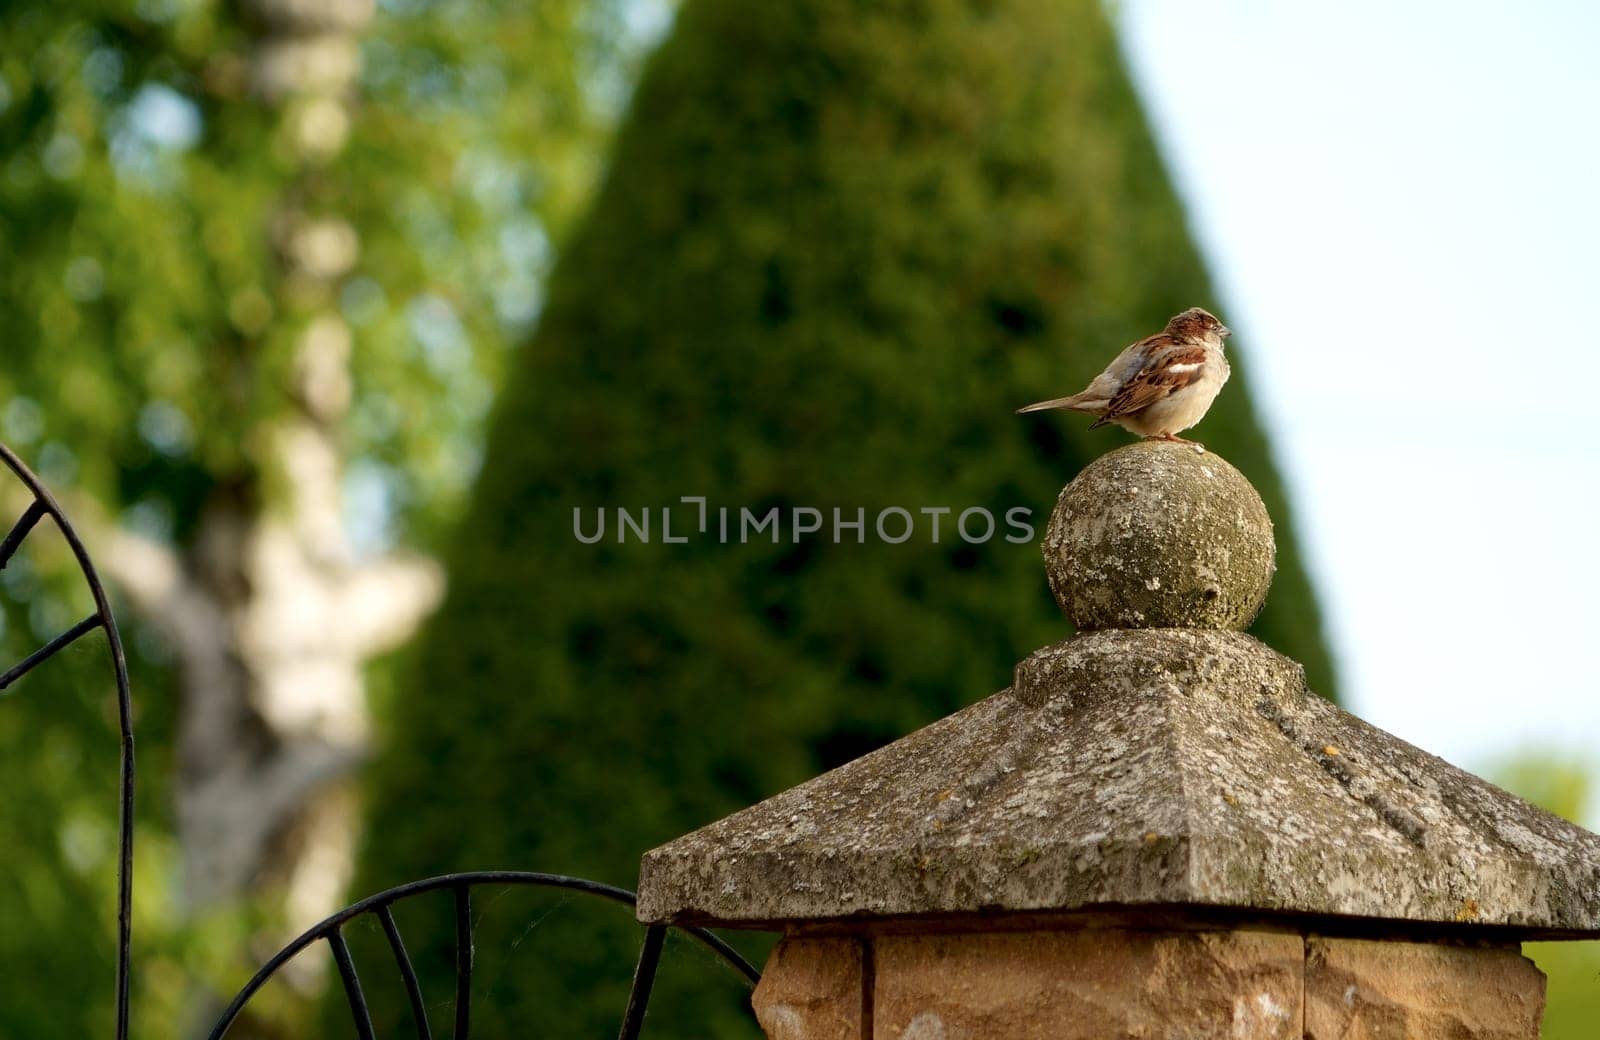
(1159, 386)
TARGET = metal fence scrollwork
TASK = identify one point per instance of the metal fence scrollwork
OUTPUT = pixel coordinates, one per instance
(330, 930)
(43, 505)
(460, 886)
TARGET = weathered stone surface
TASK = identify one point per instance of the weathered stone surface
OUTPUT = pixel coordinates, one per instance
(1366, 990)
(1140, 768)
(1088, 985)
(811, 989)
(1158, 535)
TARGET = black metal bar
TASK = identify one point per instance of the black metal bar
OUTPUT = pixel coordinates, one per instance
(390, 896)
(644, 979)
(352, 986)
(463, 962)
(35, 512)
(119, 665)
(402, 959)
(50, 649)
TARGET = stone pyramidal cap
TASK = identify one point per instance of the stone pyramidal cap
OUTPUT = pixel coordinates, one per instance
(1159, 759)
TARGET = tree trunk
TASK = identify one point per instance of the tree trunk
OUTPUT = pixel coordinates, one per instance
(272, 616)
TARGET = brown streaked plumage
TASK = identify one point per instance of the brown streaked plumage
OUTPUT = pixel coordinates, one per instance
(1159, 386)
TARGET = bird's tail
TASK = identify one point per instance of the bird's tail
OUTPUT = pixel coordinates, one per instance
(1077, 403)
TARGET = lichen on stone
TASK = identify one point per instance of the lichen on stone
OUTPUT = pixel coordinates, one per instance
(1154, 535)
(1123, 768)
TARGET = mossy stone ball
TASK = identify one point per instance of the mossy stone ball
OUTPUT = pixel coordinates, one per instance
(1159, 535)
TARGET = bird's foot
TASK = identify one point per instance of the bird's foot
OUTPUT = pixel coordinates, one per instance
(1171, 438)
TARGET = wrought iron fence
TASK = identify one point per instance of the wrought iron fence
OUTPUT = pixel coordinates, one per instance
(43, 505)
(330, 929)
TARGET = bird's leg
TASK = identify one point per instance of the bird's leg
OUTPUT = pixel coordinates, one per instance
(1172, 438)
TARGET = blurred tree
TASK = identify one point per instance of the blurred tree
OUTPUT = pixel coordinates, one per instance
(839, 242)
(1563, 784)
(260, 260)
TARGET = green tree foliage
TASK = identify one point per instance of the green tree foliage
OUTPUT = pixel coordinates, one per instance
(141, 175)
(1565, 786)
(149, 322)
(839, 242)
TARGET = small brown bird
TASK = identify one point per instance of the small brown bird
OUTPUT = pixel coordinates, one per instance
(1159, 386)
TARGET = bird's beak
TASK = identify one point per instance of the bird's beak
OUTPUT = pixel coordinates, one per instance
(1224, 331)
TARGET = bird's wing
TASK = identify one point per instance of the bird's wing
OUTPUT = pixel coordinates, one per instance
(1171, 368)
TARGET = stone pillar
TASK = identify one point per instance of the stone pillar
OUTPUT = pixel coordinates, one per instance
(1155, 831)
(1094, 981)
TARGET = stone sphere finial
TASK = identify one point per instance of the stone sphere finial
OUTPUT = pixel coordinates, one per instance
(1159, 535)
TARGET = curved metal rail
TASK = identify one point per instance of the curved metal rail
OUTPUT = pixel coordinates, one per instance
(43, 505)
(331, 931)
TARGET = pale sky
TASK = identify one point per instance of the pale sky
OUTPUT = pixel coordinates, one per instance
(1398, 201)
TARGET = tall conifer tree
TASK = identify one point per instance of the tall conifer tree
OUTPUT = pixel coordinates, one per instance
(839, 242)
